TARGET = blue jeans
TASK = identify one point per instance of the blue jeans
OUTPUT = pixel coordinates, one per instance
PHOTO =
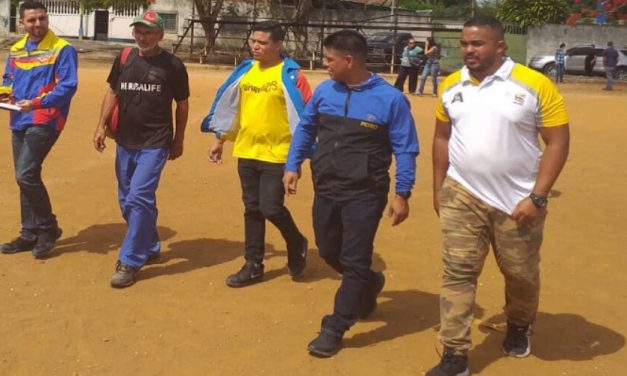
(345, 232)
(138, 172)
(263, 195)
(559, 73)
(431, 68)
(30, 148)
(609, 74)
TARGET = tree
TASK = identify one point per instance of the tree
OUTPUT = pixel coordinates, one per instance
(588, 9)
(533, 12)
(208, 12)
(300, 16)
(96, 4)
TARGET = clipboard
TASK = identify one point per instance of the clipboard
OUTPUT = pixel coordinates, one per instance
(9, 107)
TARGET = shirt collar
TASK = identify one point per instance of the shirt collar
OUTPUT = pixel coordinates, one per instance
(504, 71)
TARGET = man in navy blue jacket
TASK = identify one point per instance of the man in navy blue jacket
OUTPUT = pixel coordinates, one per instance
(359, 121)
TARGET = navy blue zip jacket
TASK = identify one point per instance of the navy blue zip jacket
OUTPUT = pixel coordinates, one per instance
(357, 130)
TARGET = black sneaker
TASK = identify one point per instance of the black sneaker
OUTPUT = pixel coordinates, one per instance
(296, 267)
(369, 302)
(46, 242)
(325, 345)
(452, 364)
(517, 342)
(249, 274)
(19, 244)
(124, 275)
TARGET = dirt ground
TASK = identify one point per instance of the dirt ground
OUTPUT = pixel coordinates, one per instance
(60, 317)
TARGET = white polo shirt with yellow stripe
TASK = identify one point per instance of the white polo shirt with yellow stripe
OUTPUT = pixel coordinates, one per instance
(494, 149)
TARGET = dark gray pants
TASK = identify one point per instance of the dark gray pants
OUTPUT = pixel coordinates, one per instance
(30, 148)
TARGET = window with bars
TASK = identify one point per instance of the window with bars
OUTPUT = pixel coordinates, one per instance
(170, 22)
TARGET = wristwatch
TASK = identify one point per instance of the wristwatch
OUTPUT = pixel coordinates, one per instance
(539, 201)
(406, 195)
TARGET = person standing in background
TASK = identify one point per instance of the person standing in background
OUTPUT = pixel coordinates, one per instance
(432, 66)
(410, 63)
(560, 61)
(610, 60)
(589, 62)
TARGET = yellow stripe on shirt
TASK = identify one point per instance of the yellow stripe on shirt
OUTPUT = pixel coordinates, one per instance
(552, 107)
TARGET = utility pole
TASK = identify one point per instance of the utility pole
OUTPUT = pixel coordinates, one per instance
(395, 17)
(81, 11)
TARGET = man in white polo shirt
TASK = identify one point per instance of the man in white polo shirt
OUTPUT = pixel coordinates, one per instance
(491, 179)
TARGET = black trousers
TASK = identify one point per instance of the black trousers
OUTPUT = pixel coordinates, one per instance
(403, 72)
(263, 195)
(345, 232)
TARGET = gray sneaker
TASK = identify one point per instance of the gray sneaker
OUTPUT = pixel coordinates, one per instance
(124, 275)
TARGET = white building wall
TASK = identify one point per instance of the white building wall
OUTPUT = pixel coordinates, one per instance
(68, 25)
(5, 16)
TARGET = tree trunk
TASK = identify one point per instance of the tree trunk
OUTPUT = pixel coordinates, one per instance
(301, 17)
(208, 12)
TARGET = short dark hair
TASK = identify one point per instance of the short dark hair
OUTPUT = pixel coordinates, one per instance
(272, 27)
(348, 42)
(610, 44)
(28, 5)
(489, 21)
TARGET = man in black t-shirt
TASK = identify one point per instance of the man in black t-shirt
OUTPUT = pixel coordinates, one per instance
(143, 83)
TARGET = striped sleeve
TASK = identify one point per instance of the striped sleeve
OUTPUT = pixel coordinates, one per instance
(552, 107)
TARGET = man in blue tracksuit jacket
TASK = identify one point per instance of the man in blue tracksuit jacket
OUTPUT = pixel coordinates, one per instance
(359, 121)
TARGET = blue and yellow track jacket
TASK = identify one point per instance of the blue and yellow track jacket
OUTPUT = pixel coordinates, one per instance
(44, 73)
(223, 117)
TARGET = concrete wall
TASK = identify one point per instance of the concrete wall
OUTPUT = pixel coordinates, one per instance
(547, 38)
(5, 16)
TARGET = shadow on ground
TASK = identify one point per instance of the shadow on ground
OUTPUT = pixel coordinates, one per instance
(560, 336)
(101, 238)
(404, 313)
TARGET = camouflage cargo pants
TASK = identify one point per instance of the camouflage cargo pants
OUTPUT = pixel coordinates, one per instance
(469, 227)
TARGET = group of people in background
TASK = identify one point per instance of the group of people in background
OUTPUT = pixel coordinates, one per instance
(610, 60)
(413, 58)
(491, 176)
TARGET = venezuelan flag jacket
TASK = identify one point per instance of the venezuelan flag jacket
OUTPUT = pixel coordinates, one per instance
(223, 117)
(44, 73)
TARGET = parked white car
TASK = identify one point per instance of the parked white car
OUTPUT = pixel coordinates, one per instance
(575, 57)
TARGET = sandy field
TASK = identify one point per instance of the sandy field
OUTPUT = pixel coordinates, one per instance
(60, 317)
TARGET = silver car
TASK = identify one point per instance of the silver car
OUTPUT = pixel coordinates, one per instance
(575, 62)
